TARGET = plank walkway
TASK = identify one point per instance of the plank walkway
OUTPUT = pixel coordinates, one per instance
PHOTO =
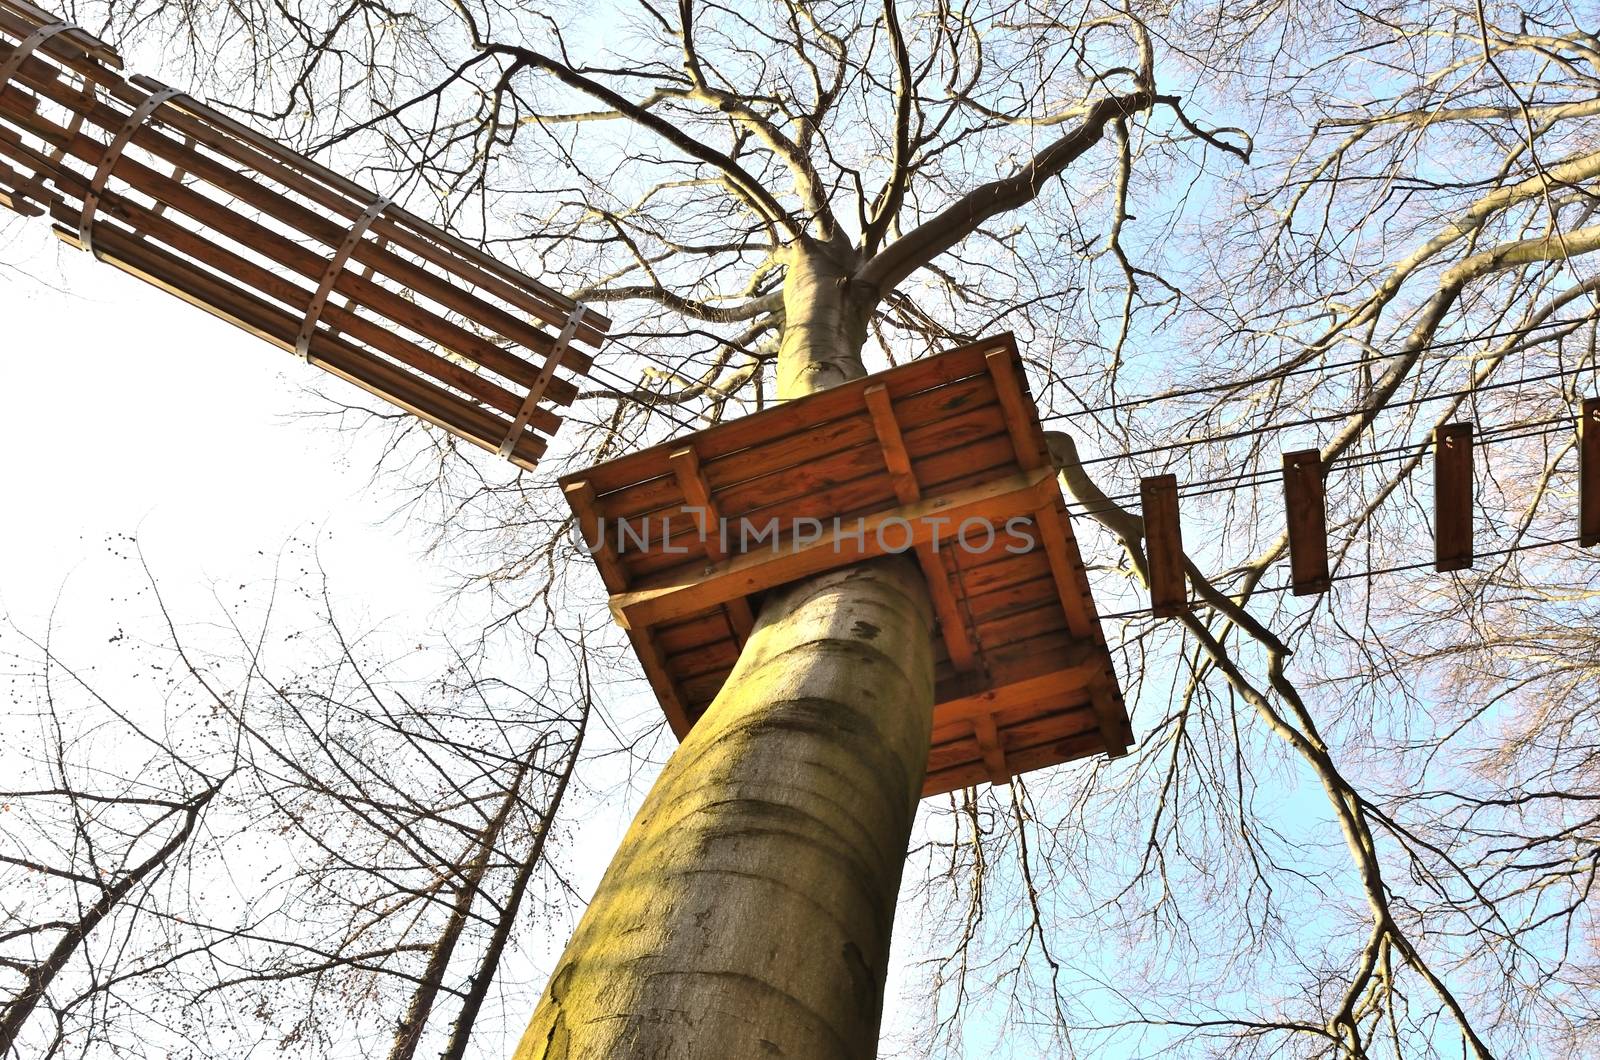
(185, 198)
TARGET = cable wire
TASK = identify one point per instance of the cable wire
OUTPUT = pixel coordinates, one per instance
(1366, 575)
(1187, 443)
(1266, 377)
(1256, 479)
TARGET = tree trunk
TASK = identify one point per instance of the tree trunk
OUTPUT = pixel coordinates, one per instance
(408, 1032)
(749, 909)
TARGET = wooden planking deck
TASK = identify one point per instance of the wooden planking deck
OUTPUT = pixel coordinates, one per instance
(1023, 678)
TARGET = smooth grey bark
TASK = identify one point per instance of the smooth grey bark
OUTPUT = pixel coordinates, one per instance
(749, 909)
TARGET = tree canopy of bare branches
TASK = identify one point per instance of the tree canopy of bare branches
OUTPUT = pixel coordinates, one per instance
(1357, 824)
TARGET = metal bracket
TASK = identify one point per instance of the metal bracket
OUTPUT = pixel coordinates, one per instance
(541, 381)
(108, 162)
(308, 328)
(26, 48)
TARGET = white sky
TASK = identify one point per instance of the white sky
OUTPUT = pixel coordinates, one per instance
(124, 410)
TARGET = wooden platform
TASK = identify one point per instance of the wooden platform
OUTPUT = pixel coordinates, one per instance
(1023, 676)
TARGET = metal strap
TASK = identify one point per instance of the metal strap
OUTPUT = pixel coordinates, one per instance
(32, 41)
(108, 162)
(366, 274)
(541, 382)
(308, 328)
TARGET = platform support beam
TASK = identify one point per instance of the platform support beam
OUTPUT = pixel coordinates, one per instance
(994, 755)
(957, 638)
(692, 480)
(582, 500)
(931, 520)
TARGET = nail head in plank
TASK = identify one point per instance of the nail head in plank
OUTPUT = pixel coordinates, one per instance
(1163, 534)
(1305, 505)
(1452, 497)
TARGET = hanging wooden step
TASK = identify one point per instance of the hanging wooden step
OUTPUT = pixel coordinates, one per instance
(191, 201)
(1163, 535)
(1452, 497)
(1305, 509)
(1589, 474)
(943, 458)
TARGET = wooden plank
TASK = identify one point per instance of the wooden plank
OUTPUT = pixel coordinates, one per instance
(887, 429)
(198, 249)
(718, 658)
(238, 183)
(795, 416)
(581, 499)
(661, 683)
(895, 530)
(994, 756)
(707, 627)
(1065, 749)
(702, 688)
(1305, 505)
(839, 450)
(1452, 497)
(1163, 535)
(1048, 728)
(249, 312)
(1027, 658)
(1000, 567)
(1589, 474)
(805, 512)
(1025, 595)
(1064, 567)
(1022, 417)
(1023, 625)
(692, 481)
(1112, 718)
(952, 627)
(1074, 674)
(235, 267)
(337, 193)
(815, 477)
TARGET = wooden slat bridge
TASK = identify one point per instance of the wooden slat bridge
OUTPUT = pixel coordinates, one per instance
(1305, 510)
(943, 459)
(178, 194)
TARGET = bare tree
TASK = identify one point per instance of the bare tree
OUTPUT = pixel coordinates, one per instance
(303, 857)
(1219, 230)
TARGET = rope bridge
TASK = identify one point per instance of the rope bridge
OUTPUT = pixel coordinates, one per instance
(191, 201)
